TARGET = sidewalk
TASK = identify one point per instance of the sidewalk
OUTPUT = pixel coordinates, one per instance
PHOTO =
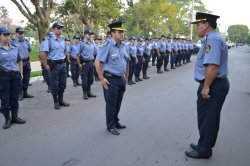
(35, 66)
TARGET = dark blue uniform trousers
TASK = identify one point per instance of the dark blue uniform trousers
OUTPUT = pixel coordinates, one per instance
(113, 98)
(172, 59)
(145, 65)
(10, 87)
(26, 75)
(87, 75)
(209, 114)
(154, 55)
(131, 68)
(138, 66)
(58, 79)
(74, 69)
(166, 60)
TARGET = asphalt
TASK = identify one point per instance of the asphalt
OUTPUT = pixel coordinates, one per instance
(160, 115)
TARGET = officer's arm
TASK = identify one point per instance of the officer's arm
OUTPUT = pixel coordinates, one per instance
(127, 71)
(210, 75)
(99, 71)
(20, 65)
(78, 61)
(43, 56)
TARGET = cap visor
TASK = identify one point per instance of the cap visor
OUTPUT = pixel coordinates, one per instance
(119, 29)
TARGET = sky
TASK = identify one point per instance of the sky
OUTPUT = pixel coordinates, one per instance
(231, 12)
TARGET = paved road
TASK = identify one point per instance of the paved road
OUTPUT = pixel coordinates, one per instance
(160, 115)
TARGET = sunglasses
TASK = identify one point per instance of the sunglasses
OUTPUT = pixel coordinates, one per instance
(7, 34)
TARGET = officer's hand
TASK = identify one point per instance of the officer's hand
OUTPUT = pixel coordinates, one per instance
(80, 67)
(205, 93)
(69, 61)
(47, 67)
(105, 83)
(21, 76)
(159, 55)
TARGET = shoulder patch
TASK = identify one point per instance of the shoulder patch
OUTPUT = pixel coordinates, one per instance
(208, 48)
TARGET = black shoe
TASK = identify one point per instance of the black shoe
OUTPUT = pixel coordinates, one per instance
(120, 126)
(193, 146)
(20, 98)
(196, 155)
(29, 84)
(62, 102)
(114, 131)
(7, 123)
(153, 64)
(159, 71)
(74, 83)
(130, 83)
(90, 94)
(26, 95)
(173, 68)
(139, 79)
(85, 96)
(77, 82)
(48, 90)
(133, 82)
(56, 106)
(145, 77)
(17, 120)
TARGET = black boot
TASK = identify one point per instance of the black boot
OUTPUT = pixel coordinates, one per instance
(61, 101)
(159, 71)
(137, 79)
(26, 95)
(21, 96)
(77, 82)
(85, 95)
(16, 119)
(172, 66)
(56, 103)
(74, 83)
(89, 93)
(140, 79)
(48, 91)
(7, 123)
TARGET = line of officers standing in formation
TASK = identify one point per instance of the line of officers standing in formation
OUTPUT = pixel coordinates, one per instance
(55, 51)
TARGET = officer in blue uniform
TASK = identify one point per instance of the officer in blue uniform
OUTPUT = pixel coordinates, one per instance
(139, 55)
(97, 46)
(10, 78)
(133, 59)
(161, 50)
(211, 70)
(53, 57)
(86, 64)
(67, 57)
(173, 53)
(44, 71)
(25, 49)
(154, 51)
(112, 68)
(73, 50)
(168, 52)
(146, 57)
(190, 50)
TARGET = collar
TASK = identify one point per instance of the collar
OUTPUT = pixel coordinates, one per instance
(115, 43)
(54, 36)
(10, 46)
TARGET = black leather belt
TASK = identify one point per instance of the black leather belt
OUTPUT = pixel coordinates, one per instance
(216, 79)
(61, 61)
(109, 75)
(26, 59)
(8, 74)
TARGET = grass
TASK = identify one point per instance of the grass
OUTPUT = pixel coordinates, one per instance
(36, 73)
(34, 54)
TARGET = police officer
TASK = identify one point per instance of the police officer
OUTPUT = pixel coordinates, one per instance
(173, 53)
(146, 57)
(53, 57)
(25, 49)
(73, 50)
(139, 55)
(154, 51)
(97, 46)
(133, 59)
(112, 68)
(191, 48)
(211, 70)
(85, 62)
(44, 71)
(161, 50)
(168, 52)
(67, 58)
(10, 78)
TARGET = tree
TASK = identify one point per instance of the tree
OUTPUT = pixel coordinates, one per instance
(238, 33)
(248, 39)
(41, 17)
(3, 12)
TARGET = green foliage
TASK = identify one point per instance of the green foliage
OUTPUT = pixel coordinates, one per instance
(238, 33)
(36, 73)
(248, 39)
(34, 54)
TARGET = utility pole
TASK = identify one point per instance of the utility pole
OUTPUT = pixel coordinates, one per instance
(191, 26)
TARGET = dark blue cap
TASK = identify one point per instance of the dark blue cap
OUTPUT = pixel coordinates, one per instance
(132, 38)
(19, 29)
(88, 31)
(57, 25)
(67, 39)
(76, 36)
(205, 17)
(4, 31)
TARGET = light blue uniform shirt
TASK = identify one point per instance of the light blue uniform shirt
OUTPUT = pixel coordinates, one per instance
(55, 48)
(162, 46)
(132, 50)
(24, 45)
(114, 58)
(147, 49)
(175, 46)
(213, 51)
(139, 51)
(168, 46)
(73, 49)
(9, 58)
(97, 48)
(87, 50)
